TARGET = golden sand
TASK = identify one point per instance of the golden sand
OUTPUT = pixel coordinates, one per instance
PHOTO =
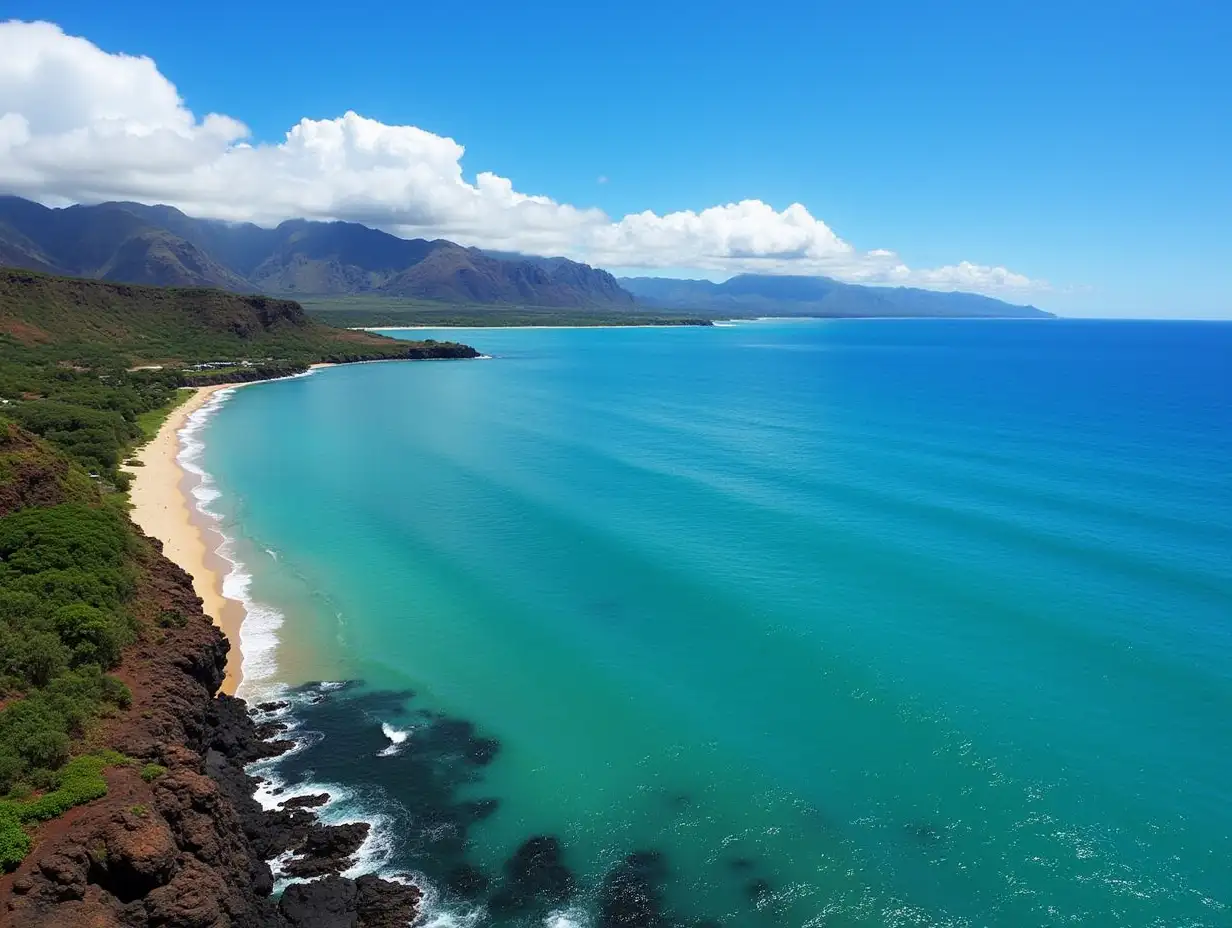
(162, 500)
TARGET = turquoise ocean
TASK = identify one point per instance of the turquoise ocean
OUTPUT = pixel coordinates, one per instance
(800, 623)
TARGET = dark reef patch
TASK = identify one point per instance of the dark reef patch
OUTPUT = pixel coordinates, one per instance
(467, 881)
(677, 802)
(758, 891)
(925, 834)
(632, 893)
(535, 878)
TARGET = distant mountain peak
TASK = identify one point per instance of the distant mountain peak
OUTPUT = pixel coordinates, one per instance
(795, 295)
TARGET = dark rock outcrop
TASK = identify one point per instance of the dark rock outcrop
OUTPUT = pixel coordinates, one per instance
(334, 902)
(311, 801)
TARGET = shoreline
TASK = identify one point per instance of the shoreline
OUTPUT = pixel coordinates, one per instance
(482, 328)
(164, 507)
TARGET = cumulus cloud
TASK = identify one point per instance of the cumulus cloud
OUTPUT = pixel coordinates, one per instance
(78, 124)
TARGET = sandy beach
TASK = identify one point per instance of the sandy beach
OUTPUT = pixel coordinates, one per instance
(161, 495)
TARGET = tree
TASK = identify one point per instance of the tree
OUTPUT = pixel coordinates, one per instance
(46, 749)
(39, 657)
(89, 633)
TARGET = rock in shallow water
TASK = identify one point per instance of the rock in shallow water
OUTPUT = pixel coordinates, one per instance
(467, 881)
(310, 801)
(631, 895)
(536, 876)
(326, 849)
(333, 902)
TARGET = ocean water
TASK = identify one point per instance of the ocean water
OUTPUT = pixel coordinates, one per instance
(841, 623)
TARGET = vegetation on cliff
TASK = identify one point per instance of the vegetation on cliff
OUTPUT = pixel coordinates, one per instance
(88, 369)
(67, 573)
(79, 782)
(377, 312)
(69, 564)
(93, 323)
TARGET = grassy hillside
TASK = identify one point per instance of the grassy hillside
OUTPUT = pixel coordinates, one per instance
(71, 353)
(375, 311)
(64, 318)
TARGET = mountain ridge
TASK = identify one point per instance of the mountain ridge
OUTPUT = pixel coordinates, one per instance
(788, 295)
(133, 243)
(128, 242)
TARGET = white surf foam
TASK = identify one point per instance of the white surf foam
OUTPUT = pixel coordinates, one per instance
(396, 737)
(344, 806)
(567, 918)
(259, 628)
(433, 911)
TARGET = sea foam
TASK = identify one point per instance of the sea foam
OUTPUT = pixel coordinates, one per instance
(396, 737)
(259, 628)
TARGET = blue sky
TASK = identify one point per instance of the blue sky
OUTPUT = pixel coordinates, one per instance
(1086, 145)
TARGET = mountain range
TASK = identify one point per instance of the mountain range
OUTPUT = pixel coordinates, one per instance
(766, 295)
(134, 243)
(159, 245)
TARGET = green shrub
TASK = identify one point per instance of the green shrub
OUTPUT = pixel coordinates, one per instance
(90, 633)
(172, 618)
(37, 728)
(11, 769)
(14, 843)
(38, 657)
(81, 781)
(116, 692)
(46, 749)
(151, 772)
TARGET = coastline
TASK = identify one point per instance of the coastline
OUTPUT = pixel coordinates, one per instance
(480, 328)
(164, 507)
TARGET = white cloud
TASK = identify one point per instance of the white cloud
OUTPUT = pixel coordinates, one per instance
(78, 124)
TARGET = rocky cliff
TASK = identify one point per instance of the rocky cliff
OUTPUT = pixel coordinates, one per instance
(178, 842)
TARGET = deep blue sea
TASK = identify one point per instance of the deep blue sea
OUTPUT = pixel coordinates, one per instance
(810, 623)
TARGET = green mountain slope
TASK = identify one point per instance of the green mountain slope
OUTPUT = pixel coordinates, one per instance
(69, 319)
